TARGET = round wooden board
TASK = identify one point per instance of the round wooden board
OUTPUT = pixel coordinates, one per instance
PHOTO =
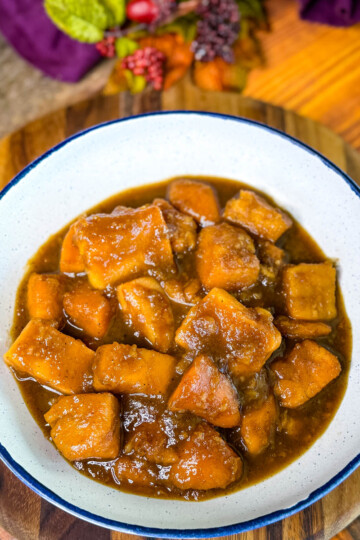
(23, 513)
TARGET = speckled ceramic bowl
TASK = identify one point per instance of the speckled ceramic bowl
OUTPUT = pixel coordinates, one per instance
(106, 159)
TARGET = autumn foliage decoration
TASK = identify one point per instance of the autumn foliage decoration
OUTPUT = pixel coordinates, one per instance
(156, 42)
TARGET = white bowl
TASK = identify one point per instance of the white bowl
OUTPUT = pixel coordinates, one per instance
(106, 159)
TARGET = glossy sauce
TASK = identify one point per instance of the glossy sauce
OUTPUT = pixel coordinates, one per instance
(305, 424)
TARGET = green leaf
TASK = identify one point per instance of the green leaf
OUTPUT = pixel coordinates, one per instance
(185, 26)
(117, 8)
(83, 20)
(251, 9)
(125, 46)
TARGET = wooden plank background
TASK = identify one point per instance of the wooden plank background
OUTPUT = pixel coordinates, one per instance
(312, 69)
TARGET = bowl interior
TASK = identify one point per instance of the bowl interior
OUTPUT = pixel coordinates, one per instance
(105, 160)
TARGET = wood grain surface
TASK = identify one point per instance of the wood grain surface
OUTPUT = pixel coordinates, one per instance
(22, 513)
(310, 68)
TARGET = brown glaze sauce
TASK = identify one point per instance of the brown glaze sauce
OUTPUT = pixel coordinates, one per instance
(307, 422)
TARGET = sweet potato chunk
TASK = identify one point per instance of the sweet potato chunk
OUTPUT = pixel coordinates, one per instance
(183, 292)
(270, 254)
(116, 247)
(71, 261)
(255, 387)
(44, 296)
(225, 257)
(310, 291)
(296, 329)
(272, 259)
(131, 471)
(149, 441)
(205, 391)
(206, 461)
(89, 309)
(182, 228)
(197, 199)
(258, 426)
(126, 369)
(255, 214)
(147, 311)
(120, 209)
(52, 358)
(245, 337)
(306, 370)
(86, 426)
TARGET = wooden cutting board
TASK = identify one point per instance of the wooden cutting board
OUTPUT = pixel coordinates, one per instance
(23, 513)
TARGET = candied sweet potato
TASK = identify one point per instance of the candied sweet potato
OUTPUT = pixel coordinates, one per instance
(221, 325)
(309, 291)
(270, 254)
(205, 391)
(117, 247)
(258, 426)
(225, 258)
(255, 214)
(120, 209)
(89, 309)
(206, 461)
(45, 296)
(149, 441)
(183, 292)
(71, 261)
(182, 228)
(272, 259)
(86, 426)
(255, 387)
(303, 373)
(296, 329)
(147, 311)
(134, 471)
(126, 369)
(52, 358)
(197, 199)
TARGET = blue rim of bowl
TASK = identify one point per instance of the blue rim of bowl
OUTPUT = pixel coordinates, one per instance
(244, 526)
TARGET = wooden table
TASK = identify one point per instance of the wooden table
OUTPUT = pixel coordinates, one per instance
(310, 68)
(23, 513)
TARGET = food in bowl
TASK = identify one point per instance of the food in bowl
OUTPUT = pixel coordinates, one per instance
(196, 335)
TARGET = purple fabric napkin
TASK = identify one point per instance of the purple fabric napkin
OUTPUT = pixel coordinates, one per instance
(29, 30)
(333, 12)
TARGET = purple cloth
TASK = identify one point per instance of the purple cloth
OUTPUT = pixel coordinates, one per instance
(29, 30)
(333, 12)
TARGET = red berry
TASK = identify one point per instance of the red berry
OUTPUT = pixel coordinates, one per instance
(150, 11)
(142, 11)
(106, 47)
(148, 62)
